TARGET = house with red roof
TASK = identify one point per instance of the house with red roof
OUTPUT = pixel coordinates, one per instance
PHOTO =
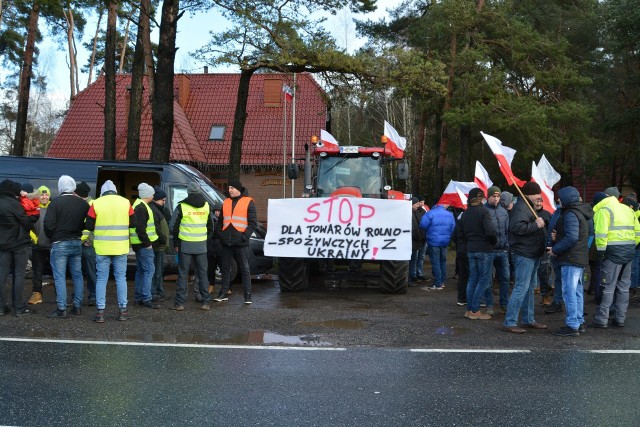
(204, 107)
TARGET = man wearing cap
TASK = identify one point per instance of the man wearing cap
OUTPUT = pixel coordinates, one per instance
(190, 229)
(161, 219)
(417, 238)
(110, 217)
(142, 238)
(88, 251)
(63, 225)
(527, 238)
(239, 220)
(438, 224)
(40, 250)
(617, 232)
(500, 218)
(15, 226)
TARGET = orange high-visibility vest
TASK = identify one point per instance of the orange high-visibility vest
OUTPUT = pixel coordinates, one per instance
(239, 217)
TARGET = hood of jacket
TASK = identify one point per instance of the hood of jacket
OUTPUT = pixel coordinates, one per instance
(196, 200)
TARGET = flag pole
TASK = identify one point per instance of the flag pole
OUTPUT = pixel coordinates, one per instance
(284, 148)
(533, 211)
(293, 131)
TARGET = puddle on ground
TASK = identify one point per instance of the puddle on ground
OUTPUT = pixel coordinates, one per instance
(266, 337)
(449, 330)
(337, 324)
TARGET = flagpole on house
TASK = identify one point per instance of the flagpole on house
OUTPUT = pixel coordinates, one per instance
(284, 147)
(293, 131)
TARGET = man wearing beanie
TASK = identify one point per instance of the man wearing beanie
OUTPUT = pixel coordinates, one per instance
(142, 238)
(14, 245)
(191, 227)
(239, 220)
(500, 218)
(527, 238)
(88, 251)
(161, 216)
(63, 225)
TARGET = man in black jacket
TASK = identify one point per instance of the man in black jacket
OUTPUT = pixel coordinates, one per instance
(14, 245)
(239, 220)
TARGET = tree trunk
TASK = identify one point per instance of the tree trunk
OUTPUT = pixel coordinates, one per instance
(110, 83)
(419, 152)
(95, 45)
(444, 134)
(239, 120)
(125, 41)
(73, 69)
(465, 144)
(163, 96)
(25, 81)
(145, 28)
(135, 95)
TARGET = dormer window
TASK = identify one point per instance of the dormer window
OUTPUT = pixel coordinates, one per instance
(216, 133)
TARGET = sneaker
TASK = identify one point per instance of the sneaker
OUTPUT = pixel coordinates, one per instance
(546, 300)
(489, 311)
(247, 298)
(99, 317)
(478, 316)
(598, 325)
(150, 304)
(435, 288)
(92, 302)
(205, 307)
(553, 308)
(58, 314)
(124, 314)
(36, 298)
(76, 311)
(617, 324)
(178, 307)
(582, 329)
(24, 312)
(461, 303)
(222, 296)
(566, 331)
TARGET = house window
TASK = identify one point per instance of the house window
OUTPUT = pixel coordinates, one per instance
(272, 92)
(216, 133)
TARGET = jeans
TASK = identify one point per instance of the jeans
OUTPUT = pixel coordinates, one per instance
(67, 253)
(614, 277)
(103, 263)
(544, 275)
(89, 270)
(413, 263)
(422, 253)
(157, 283)
(462, 267)
(522, 294)
(503, 275)
(241, 253)
(479, 278)
(595, 280)
(438, 257)
(557, 282)
(212, 265)
(635, 273)
(40, 257)
(573, 294)
(145, 268)
(14, 261)
(184, 262)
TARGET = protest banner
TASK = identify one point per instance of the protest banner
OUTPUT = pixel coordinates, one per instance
(339, 228)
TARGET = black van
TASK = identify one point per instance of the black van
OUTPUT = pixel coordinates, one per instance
(171, 177)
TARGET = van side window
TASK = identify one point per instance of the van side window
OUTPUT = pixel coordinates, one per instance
(177, 194)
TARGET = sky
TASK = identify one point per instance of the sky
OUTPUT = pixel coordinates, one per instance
(192, 33)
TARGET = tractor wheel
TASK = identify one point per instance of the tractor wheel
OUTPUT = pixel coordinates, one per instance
(293, 274)
(394, 277)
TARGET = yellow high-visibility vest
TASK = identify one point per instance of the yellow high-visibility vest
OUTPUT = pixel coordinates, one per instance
(615, 224)
(151, 226)
(111, 235)
(193, 225)
(86, 233)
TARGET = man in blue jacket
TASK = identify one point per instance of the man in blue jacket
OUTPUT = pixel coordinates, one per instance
(438, 224)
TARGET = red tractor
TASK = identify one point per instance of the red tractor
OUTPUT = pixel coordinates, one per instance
(346, 171)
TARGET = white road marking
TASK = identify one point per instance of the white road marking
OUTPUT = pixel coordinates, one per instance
(180, 345)
(466, 350)
(612, 351)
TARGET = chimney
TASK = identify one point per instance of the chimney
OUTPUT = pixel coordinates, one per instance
(206, 69)
(184, 90)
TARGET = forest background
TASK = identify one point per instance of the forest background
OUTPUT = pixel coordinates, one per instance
(553, 77)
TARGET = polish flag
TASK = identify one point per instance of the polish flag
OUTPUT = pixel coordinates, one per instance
(481, 178)
(288, 92)
(327, 140)
(548, 173)
(504, 155)
(456, 194)
(395, 143)
(548, 199)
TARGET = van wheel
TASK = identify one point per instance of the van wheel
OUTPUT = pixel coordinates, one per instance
(394, 277)
(234, 272)
(292, 274)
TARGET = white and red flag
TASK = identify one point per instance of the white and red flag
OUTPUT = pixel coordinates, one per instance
(327, 140)
(481, 178)
(504, 155)
(548, 173)
(456, 194)
(395, 143)
(548, 200)
(288, 92)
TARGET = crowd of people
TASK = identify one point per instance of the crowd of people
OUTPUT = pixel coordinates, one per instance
(537, 252)
(90, 240)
